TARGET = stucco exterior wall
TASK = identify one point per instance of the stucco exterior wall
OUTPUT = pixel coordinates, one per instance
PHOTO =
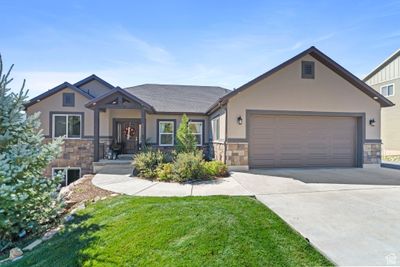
(286, 90)
(390, 117)
(54, 104)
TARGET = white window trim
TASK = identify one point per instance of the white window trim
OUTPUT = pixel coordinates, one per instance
(65, 171)
(66, 125)
(214, 128)
(173, 133)
(201, 131)
(387, 85)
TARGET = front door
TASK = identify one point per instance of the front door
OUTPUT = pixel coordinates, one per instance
(126, 133)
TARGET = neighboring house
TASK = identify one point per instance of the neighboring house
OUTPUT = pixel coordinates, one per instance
(306, 112)
(386, 79)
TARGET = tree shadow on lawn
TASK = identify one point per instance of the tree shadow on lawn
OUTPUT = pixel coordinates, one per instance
(67, 248)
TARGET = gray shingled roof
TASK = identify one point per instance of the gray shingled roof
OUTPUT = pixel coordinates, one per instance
(178, 98)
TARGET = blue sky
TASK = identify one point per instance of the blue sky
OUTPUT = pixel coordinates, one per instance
(223, 43)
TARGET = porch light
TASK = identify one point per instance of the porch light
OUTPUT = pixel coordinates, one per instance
(372, 122)
(239, 120)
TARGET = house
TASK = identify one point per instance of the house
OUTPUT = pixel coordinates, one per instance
(386, 80)
(307, 112)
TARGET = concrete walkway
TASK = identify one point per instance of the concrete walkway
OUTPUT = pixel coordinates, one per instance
(122, 183)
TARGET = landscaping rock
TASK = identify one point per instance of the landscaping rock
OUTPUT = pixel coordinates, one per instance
(97, 198)
(15, 253)
(49, 234)
(78, 208)
(33, 244)
(68, 218)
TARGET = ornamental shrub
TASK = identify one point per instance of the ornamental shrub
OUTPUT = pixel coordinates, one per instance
(216, 168)
(165, 172)
(146, 163)
(189, 166)
(28, 200)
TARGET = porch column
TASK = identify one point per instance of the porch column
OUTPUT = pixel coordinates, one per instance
(96, 133)
(143, 128)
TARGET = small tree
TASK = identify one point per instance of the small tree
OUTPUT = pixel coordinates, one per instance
(28, 200)
(186, 141)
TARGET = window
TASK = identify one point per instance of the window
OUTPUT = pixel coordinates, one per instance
(70, 175)
(68, 99)
(215, 125)
(166, 132)
(196, 128)
(67, 125)
(307, 70)
(387, 90)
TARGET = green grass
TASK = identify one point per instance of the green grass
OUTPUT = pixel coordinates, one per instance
(190, 231)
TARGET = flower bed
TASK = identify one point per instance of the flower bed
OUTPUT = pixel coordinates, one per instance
(177, 167)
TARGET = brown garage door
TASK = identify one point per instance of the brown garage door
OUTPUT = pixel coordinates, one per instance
(277, 141)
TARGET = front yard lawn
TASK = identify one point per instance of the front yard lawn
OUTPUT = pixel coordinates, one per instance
(190, 231)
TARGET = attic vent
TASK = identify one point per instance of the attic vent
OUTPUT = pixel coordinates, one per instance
(307, 70)
(68, 99)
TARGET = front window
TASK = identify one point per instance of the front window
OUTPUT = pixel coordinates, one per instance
(387, 90)
(166, 132)
(69, 175)
(67, 125)
(196, 128)
(215, 124)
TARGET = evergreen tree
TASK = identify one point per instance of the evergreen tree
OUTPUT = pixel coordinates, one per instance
(28, 200)
(186, 141)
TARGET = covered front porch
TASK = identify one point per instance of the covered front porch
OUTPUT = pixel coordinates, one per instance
(119, 125)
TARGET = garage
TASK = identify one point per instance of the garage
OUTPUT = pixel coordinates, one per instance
(284, 141)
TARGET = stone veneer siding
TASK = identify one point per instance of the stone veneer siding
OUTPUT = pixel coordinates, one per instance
(237, 154)
(372, 153)
(218, 151)
(76, 153)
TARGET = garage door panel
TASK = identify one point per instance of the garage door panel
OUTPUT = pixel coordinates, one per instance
(302, 141)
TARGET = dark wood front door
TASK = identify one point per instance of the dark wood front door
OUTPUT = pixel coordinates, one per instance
(126, 133)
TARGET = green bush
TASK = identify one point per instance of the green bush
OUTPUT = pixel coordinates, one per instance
(189, 166)
(185, 140)
(146, 163)
(180, 167)
(216, 168)
(165, 172)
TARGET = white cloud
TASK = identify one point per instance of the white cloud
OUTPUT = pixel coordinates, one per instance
(152, 52)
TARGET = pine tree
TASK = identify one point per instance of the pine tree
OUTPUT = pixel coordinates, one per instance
(186, 141)
(28, 200)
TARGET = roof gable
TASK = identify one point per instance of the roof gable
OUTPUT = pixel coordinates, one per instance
(55, 90)
(115, 94)
(324, 59)
(94, 77)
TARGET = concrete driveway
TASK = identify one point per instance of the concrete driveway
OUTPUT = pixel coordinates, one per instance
(350, 215)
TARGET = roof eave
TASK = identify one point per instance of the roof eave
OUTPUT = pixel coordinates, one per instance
(91, 104)
(54, 91)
